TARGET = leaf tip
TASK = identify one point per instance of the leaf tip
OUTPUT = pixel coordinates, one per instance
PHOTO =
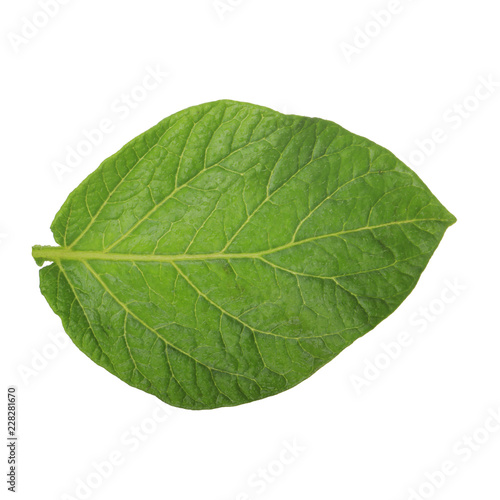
(452, 219)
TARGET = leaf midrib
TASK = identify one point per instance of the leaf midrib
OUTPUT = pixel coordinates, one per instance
(53, 254)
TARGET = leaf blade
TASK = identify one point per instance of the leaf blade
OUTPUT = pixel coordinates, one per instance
(231, 251)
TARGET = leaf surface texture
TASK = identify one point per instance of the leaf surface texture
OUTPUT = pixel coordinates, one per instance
(229, 252)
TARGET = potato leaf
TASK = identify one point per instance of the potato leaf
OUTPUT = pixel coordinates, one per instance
(229, 252)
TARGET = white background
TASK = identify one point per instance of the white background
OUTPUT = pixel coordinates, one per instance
(355, 440)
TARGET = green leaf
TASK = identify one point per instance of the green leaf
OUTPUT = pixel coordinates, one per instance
(231, 251)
